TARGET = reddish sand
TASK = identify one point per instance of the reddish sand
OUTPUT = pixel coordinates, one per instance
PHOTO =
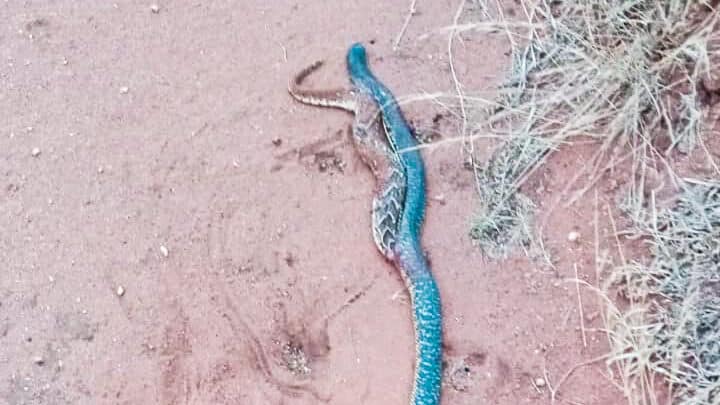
(171, 162)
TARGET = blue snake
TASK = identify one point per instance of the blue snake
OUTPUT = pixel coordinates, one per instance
(398, 207)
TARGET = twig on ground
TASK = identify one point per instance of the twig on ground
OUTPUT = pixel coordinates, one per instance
(580, 307)
(400, 34)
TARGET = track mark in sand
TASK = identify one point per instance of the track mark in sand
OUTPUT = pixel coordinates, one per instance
(321, 153)
(305, 339)
(260, 358)
(302, 342)
(176, 387)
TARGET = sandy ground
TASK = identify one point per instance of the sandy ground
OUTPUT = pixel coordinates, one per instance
(159, 153)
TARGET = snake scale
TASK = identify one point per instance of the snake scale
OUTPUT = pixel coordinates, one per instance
(386, 143)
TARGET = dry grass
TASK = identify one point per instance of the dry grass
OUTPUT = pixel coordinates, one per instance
(621, 72)
(673, 326)
(626, 74)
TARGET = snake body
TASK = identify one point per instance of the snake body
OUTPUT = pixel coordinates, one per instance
(386, 143)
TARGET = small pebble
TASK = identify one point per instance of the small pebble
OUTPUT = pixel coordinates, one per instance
(39, 360)
(124, 90)
(35, 152)
(155, 8)
(100, 170)
(164, 251)
(440, 198)
(573, 236)
(120, 291)
(539, 382)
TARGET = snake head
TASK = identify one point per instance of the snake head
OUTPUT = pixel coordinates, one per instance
(357, 56)
(358, 68)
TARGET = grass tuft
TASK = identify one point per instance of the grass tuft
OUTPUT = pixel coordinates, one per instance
(624, 73)
(628, 75)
